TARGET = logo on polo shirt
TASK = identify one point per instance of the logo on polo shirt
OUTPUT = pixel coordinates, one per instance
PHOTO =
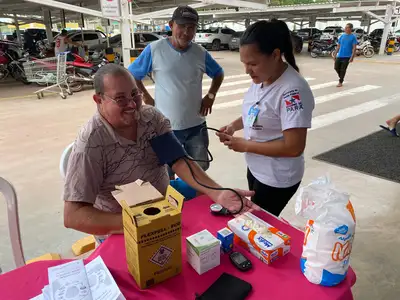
(292, 101)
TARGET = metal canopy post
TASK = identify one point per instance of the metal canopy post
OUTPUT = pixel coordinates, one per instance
(62, 15)
(47, 23)
(388, 24)
(125, 33)
(17, 31)
(369, 26)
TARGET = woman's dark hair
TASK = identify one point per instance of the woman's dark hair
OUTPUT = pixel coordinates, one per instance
(271, 35)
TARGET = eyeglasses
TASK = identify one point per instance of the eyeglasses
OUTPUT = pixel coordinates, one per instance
(124, 101)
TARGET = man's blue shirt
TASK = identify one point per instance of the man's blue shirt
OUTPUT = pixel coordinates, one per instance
(346, 42)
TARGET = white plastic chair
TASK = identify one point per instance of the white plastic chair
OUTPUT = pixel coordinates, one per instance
(64, 160)
(10, 195)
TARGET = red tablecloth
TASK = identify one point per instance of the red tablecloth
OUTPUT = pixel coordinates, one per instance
(282, 280)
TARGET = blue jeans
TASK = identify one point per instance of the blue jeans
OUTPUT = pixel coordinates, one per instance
(195, 141)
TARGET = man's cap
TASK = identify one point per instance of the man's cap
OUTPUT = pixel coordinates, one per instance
(185, 14)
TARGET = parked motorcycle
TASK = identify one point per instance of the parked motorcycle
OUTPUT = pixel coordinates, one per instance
(81, 72)
(365, 48)
(11, 66)
(323, 48)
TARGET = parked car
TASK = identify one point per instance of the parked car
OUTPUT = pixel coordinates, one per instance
(214, 38)
(234, 43)
(359, 32)
(297, 42)
(14, 49)
(376, 33)
(90, 37)
(42, 34)
(333, 31)
(164, 34)
(142, 39)
(307, 33)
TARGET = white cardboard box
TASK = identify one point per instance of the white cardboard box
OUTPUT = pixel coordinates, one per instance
(203, 251)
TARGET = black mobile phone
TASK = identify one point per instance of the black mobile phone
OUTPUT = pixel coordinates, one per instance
(240, 261)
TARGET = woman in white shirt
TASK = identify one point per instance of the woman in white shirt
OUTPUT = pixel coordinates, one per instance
(276, 113)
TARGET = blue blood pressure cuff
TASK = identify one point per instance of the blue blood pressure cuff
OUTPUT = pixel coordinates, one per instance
(167, 148)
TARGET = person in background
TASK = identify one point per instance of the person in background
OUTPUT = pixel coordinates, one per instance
(391, 125)
(62, 42)
(345, 52)
(178, 66)
(30, 39)
(276, 113)
(114, 148)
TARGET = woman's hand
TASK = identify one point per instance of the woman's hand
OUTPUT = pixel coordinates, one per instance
(227, 130)
(237, 144)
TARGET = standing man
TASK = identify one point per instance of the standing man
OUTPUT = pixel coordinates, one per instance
(178, 65)
(62, 42)
(345, 52)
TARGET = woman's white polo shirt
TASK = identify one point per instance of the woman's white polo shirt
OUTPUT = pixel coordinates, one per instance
(287, 103)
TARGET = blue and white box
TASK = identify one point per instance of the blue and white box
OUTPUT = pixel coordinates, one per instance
(226, 238)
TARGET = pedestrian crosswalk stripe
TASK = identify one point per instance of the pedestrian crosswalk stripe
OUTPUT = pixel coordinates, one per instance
(151, 87)
(350, 92)
(352, 111)
(232, 92)
(242, 90)
(320, 99)
(232, 83)
(323, 85)
(228, 104)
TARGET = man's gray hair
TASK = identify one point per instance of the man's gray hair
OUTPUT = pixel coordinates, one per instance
(108, 69)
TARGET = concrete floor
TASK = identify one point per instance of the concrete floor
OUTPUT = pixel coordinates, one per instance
(35, 132)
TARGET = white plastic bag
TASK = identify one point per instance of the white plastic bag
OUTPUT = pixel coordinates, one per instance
(329, 233)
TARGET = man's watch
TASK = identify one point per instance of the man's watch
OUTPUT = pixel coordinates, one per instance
(211, 96)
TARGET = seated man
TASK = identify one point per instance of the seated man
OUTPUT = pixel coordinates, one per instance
(115, 148)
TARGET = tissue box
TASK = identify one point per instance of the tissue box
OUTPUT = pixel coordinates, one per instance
(203, 251)
(261, 239)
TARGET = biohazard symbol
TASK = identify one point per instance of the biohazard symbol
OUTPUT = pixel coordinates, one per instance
(162, 256)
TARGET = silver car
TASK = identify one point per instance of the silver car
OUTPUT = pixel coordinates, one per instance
(234, 43)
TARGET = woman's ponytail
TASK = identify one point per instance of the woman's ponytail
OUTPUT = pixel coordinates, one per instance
(286, 45)
(289, 57)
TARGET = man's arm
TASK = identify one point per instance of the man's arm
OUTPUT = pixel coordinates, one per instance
(142, 66)
(86, 218)
(69, 41)
(354, 49)
(233, 202)
(182, 169)
(147, 98)
(170, 151)
(214, 71)
(216, 83)
(337, 50)
(82, 185)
